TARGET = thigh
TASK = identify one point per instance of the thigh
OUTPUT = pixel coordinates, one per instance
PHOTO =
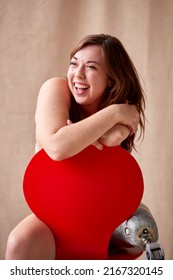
(32, 239)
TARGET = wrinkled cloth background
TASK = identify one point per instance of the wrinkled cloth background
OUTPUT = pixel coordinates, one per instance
(35, 42)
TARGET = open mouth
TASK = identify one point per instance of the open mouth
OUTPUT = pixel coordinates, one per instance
(80, 88)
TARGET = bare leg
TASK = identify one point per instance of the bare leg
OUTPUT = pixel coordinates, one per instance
(31, 239)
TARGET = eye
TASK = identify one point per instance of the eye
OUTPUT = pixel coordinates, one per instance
(91, 67)
(73, 63)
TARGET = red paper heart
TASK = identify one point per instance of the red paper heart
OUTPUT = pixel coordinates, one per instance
(84, 198)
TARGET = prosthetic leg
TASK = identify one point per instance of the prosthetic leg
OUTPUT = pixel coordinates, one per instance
(139, 231)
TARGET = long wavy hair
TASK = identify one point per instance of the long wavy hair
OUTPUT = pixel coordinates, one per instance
(125, 83)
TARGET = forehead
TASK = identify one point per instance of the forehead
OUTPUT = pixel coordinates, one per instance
(91, 53)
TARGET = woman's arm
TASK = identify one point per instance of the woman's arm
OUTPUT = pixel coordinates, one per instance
(60, 140)
(115, 136)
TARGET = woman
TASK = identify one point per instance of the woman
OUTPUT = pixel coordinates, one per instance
(100, 103)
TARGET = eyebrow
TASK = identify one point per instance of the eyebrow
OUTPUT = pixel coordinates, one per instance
(89, 61)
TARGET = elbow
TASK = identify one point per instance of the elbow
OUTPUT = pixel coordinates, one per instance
(55, 152)
(113, 143)
(113, 140)
(118, 140)
(56, 155)
(115, 136)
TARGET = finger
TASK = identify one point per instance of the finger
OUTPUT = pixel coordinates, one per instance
(134, 130)
(69, 122)
(98, 145)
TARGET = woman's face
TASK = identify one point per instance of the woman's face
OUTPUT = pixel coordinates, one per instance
(87, 77)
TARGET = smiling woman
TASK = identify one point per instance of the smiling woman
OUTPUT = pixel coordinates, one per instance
(101, 103)
(87, 78)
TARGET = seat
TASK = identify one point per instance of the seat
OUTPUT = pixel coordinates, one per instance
(84, 199)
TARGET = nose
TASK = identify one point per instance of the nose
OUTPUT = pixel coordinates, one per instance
(79, 73)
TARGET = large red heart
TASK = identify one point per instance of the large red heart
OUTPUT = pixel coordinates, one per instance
(84, 198)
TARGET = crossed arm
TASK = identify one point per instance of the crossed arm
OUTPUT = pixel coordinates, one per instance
(109, 126)
(113, 137)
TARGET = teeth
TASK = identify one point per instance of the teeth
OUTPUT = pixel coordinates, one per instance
(80, 86)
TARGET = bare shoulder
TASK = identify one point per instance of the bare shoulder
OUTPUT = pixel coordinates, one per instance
(54, 100)
(60, 81)
(57, 86)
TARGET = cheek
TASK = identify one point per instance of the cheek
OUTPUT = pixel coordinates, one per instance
(100, 84)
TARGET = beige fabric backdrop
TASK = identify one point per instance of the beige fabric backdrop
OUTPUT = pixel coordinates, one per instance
(35, 41)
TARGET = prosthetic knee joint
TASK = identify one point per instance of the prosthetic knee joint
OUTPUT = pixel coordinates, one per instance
(140, 231)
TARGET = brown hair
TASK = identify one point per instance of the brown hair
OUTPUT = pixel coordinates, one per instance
(124, 80)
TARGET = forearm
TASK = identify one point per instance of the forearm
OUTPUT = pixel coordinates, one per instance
(71, 139)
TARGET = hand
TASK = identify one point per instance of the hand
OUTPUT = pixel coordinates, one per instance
(129, 116)
(97, 144)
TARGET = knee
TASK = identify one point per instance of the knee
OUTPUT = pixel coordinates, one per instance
(13, 246)
(30, 242)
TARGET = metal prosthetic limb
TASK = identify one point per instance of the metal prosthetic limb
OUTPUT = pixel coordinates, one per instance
(140, 231)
